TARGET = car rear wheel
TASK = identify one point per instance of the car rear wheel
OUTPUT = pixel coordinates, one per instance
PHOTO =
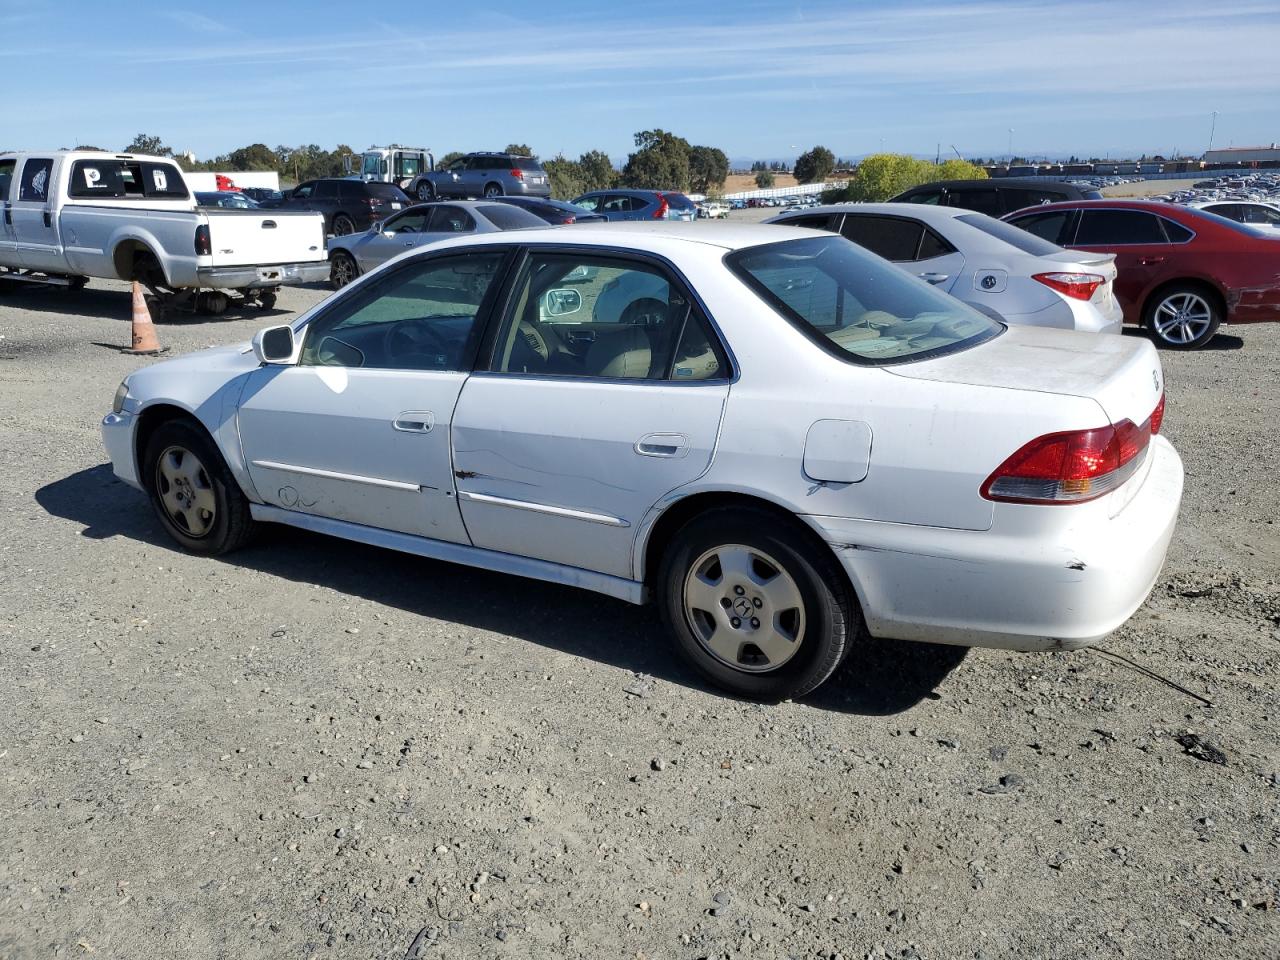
(1183, 317)
(492, 190)
(343, 225)
(755, 605)
(342, 269)
(425, 191)
(193, 492)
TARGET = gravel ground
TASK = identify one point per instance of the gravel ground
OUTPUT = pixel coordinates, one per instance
(317, 749)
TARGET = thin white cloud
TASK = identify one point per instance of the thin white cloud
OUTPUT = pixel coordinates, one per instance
(198, 22)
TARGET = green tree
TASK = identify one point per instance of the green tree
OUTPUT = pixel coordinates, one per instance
(885, 175)
(597, 171)
(449, 157)
(519, 149)
(764, 179)
(708, 169)
(152, 146)
(958, 170)
(661, 162)
(815, 165)
(568, 178)
(256, 156)
(87, 147)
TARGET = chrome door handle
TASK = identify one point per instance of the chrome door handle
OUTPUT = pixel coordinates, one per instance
(668, 445)
(414, 421)
(934, 277)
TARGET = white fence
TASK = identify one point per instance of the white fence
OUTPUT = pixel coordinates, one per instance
(801, 190)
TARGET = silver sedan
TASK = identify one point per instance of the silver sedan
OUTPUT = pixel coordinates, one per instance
(1000, 270)
(357, 253)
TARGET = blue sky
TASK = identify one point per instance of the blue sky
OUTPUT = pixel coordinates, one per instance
(755, 79)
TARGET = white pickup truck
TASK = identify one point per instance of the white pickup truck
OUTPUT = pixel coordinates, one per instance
(69, 215)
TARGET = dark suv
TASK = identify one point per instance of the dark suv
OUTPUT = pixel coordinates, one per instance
(347, 205)
(997, 197)
(484, 175)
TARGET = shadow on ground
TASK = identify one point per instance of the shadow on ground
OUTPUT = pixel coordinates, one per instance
(118, 305)
(1223, 341)
(880, 677)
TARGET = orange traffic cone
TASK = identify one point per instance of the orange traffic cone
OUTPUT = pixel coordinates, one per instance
(145, 340)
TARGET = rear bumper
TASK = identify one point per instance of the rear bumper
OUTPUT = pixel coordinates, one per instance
(252, 277)
(1068, 314)
(1017, 586)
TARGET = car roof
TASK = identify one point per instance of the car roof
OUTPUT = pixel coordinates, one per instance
(925, 212)
(1021, 182)
(654, 236)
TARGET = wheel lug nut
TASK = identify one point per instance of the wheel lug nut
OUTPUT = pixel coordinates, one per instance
(739, 591)
(757, 602)
(755, 624)
(735, 623)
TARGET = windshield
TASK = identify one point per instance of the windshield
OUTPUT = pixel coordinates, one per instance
(373, 165)
(855, 305)
(1014, 236)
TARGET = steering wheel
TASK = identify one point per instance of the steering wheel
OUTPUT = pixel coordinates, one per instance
(416, 338)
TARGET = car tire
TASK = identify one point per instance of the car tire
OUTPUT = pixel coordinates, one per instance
(192, 491)
(343, 225)
(1183, 316)
(342, 269)
(492, 190)
(796, 621)
(425, 191)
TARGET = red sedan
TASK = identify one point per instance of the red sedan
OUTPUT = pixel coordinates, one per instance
(1182, 272)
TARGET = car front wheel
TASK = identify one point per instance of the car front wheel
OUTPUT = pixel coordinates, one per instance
(342, 269)
(193, 492)
(755, 605)
(1183, 317)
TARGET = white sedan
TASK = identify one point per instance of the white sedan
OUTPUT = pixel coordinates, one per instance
(989, 264)
(783, 440)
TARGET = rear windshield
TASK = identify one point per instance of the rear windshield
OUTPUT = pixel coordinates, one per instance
(527, 163)
(120, 179)
(388, 191)
(855, 305)
(506, 217)
(1014, 236)
(678, 201)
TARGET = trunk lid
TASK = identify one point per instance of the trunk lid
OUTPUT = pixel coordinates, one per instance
(242, 238)
(1122, 374)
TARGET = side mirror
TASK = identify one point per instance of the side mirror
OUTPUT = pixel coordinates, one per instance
(274, 344)
(377, 227)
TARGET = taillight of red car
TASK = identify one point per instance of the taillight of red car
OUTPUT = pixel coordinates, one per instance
(663, 207)
(1073, 466)
(1078, 286)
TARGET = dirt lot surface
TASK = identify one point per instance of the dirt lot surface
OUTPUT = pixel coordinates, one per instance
(317, 749)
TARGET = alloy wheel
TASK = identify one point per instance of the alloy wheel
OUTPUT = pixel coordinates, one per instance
(1182, 318)
(186, 491)
(342, 270)
(744, 608)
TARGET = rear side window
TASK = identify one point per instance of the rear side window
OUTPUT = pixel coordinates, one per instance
(1047, 226)
(1024, 241)
(450, 220)
(119, 179)
(1015, 198)
(328, 188)
(1117, 227)
(1177, 232)
(528, 163)
(932, 245)
(983, 200)
(856, 306)
(36, 174)
(816, 222)
(888, 237)
(932, 197)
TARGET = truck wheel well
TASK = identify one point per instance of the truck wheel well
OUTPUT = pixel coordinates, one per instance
(151, 420)
(134, 260)
(681, 512)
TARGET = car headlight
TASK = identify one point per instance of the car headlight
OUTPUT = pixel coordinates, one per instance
(122, 392)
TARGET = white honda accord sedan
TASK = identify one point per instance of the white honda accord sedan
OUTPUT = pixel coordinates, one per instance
(781, 438)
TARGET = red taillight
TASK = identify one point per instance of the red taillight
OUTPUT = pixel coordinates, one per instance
(661, 212)
(1157, 416)
(570, 220)
(204, 246)
(1078, 286)
(1070, 467)
(517, 173)
(371, 202)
